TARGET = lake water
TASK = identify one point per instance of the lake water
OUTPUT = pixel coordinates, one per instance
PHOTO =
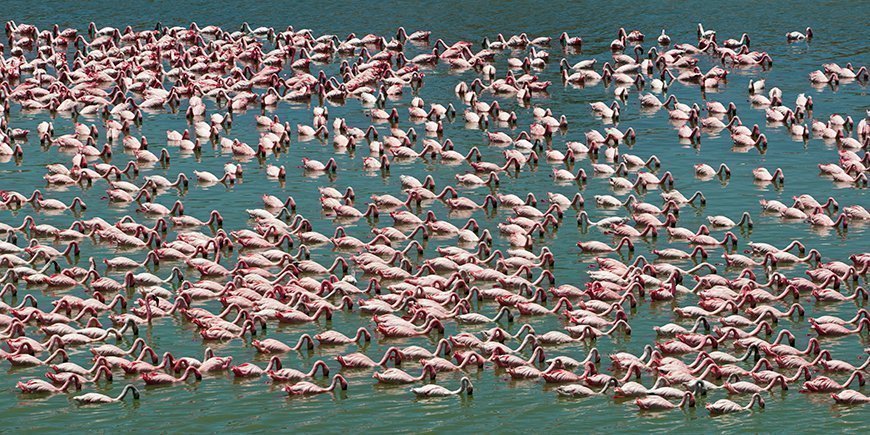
(220, 403)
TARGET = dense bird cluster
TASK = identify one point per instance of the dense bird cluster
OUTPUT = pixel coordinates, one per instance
(727, 337)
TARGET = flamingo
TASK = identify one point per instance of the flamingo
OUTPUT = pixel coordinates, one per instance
(248, 370)
(316, 166)
(634, 389)
(598, 247)
(36, 386)
(396, 376)
(794, 35)
(823, 384)
(850, 397)
(337, 338)
(656, 403)
(158, 378)
(432, 390)
(833, 329)
(761, 174)
(26, 360)
(308, 388)
(360, 360)
(577, 390)
(750, 388)
(97, 398)
(102, 372)
(287, 374)
(723, 222)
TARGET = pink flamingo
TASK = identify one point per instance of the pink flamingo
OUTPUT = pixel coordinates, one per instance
(850, 397)
(725, 406)
(307, 388)
(823, 384)
(97, 398)
(360, 360)
(36, 386)
(577, 390)
(432, 390)
(656, 403)
(159, 378)
(249, 370)
(286, 374)
(397, 376)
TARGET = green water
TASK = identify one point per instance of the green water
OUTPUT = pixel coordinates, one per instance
(220, 403)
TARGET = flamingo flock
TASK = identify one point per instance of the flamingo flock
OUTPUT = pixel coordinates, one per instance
(458, 283)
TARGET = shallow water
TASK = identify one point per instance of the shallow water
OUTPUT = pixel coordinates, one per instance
(221, 403)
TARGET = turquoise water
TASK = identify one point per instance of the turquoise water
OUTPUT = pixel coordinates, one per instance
(221, 403)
